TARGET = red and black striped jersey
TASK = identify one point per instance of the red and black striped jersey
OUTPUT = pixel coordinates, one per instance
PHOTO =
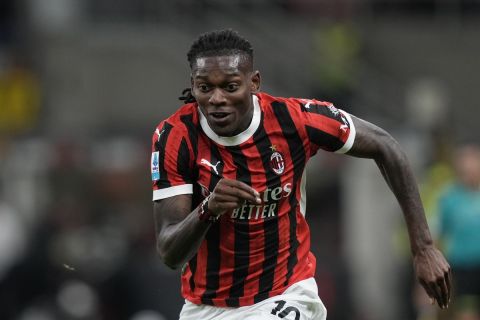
(256, 251)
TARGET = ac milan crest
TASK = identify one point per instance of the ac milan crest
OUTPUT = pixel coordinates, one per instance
(276, 161)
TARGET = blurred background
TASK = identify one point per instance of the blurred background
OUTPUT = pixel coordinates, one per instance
(83, 83)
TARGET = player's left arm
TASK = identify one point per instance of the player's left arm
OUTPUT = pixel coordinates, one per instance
(431, 268)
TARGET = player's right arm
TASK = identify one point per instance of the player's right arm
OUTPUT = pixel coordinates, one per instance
(180, 231)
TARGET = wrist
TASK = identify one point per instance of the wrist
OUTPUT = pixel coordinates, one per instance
(204, 213)
(419, 249)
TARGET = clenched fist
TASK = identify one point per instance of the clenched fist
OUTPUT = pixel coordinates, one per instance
(230, 194)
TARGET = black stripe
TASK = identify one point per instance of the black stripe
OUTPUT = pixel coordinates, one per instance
(270, 226)
(323, 139)
(160, 146)
(213, 238)
(297, 153)
(242, 236)
(193, 138)
(213, 264)
(330, 112)
(193, 267)
(192, 131)
(269, 264)
(183, 162)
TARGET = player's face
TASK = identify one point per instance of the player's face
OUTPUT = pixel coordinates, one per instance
(223, 87)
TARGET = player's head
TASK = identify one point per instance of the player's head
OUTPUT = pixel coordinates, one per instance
(220, 43)
(223, 80)
(467, 165)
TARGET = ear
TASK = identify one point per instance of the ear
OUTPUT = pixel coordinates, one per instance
(255, 81)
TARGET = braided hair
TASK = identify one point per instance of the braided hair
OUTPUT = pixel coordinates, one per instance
(216, 43)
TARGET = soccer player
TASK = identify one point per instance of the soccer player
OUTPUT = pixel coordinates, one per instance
(229, 193)
(459, 230)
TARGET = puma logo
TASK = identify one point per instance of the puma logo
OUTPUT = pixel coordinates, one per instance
(207, 163)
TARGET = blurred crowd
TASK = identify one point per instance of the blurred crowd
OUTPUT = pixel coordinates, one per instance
(79, 242)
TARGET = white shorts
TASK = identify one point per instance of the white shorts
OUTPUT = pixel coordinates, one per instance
(299, 302)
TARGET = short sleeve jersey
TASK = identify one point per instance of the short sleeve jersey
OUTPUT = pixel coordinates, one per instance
(255, 251)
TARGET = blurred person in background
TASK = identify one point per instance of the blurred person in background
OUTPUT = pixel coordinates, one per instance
(228, 190)
(20, 94)
(459, 231)
(435, 178)
(335, 64)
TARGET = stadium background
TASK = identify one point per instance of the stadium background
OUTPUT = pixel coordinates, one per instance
(83, 83)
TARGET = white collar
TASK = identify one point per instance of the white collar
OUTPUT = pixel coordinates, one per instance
(239, 138)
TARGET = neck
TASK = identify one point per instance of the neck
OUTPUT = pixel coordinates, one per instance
(246, 121)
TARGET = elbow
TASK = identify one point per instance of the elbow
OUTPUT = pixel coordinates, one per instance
(171, 263)
(168, 257)
(390, 149)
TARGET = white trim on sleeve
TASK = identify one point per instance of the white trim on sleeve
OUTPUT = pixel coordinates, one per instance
(351, 137)
(172, 191)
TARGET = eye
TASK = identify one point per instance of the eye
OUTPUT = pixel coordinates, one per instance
(232, 87)
(203, 87)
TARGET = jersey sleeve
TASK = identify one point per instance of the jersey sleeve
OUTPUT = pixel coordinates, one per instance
(170, 163)
(327, 127)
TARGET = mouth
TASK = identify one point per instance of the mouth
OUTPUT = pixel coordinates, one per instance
(220, 118)
(219, 115)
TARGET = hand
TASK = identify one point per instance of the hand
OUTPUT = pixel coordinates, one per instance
(231, 194)
(434, 274)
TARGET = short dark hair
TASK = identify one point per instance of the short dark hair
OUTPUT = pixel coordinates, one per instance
(219, 42)
(216, 43)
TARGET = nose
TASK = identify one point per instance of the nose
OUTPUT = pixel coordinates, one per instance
(217, 98)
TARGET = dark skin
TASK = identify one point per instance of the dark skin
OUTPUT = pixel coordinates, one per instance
(431, 268)
(223, 87)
